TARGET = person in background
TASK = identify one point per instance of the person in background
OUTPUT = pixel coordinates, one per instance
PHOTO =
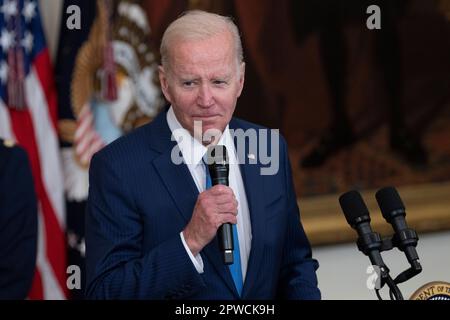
(18, 222)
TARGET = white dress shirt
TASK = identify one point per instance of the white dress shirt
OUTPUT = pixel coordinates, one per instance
(193, 152)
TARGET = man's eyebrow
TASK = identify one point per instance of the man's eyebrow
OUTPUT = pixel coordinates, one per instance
(188, 78)
(222, 76)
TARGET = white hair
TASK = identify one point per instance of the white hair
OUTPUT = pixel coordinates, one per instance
(199, 25)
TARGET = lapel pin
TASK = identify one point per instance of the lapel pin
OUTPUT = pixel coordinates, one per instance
(251, 156)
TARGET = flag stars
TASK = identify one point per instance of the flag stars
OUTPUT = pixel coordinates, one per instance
(29, 10)
(9, 9)
(6, 40)
(27, 42)
(3, 72)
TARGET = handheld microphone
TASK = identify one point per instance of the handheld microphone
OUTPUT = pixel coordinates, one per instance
(357, 216)
(405, 239)
(218, 169)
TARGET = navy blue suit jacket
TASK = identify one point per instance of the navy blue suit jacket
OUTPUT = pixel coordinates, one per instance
(18, 223)
(139, 202)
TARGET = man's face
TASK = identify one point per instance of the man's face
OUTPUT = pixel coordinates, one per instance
(203, 81)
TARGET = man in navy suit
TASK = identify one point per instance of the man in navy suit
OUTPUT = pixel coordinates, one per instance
(18, 222)
(152, 217)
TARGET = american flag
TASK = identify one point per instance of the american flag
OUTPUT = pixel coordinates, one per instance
(87, 140)
(28, 113)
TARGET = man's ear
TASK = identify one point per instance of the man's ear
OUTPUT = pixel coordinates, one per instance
(241, 78)
(163, 80)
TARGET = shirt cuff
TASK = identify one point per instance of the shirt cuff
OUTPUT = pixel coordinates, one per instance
(197, 260)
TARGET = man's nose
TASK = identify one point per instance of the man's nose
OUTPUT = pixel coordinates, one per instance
(205, 97)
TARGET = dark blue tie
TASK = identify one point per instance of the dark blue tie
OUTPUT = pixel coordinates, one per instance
(235, 268)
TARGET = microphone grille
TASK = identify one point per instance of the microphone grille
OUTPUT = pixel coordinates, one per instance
(353, 206)
(389, 200)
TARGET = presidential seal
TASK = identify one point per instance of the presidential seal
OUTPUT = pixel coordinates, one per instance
(435, 290)
(114, 88)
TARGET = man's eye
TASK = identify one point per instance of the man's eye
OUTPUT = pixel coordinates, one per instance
(188, 83)
(219, 82)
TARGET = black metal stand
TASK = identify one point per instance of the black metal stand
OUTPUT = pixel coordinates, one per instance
(386, 244)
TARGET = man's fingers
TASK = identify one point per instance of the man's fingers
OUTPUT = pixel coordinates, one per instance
(221, 189)
(227, 218)
(230, 207)
(220, 195)
(224, 199)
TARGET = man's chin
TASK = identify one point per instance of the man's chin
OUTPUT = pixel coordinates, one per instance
(210, 133)
(204, 130)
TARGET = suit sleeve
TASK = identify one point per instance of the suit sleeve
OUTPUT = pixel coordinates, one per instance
(117, 267)
(298, 278)
(18, 227)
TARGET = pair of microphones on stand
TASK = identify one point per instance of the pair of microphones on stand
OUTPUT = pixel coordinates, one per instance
(371, 243)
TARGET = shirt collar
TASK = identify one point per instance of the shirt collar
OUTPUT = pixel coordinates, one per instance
(191, 149)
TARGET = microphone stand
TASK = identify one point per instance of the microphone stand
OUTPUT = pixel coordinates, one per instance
(394, 291)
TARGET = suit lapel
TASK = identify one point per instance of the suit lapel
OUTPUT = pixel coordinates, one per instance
(254, 192)
(176, 178)
(179, 183)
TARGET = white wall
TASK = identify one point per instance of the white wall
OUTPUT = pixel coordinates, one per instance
(342, 272)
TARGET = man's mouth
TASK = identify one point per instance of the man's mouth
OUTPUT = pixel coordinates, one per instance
(205, 117)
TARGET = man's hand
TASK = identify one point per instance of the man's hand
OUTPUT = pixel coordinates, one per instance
(214, 207)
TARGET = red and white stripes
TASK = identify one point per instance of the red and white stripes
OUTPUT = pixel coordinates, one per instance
(87, 140)
(34, 128)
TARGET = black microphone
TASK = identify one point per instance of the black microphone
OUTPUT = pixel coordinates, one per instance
(357, 216)
(393, 211)
(218, 170)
